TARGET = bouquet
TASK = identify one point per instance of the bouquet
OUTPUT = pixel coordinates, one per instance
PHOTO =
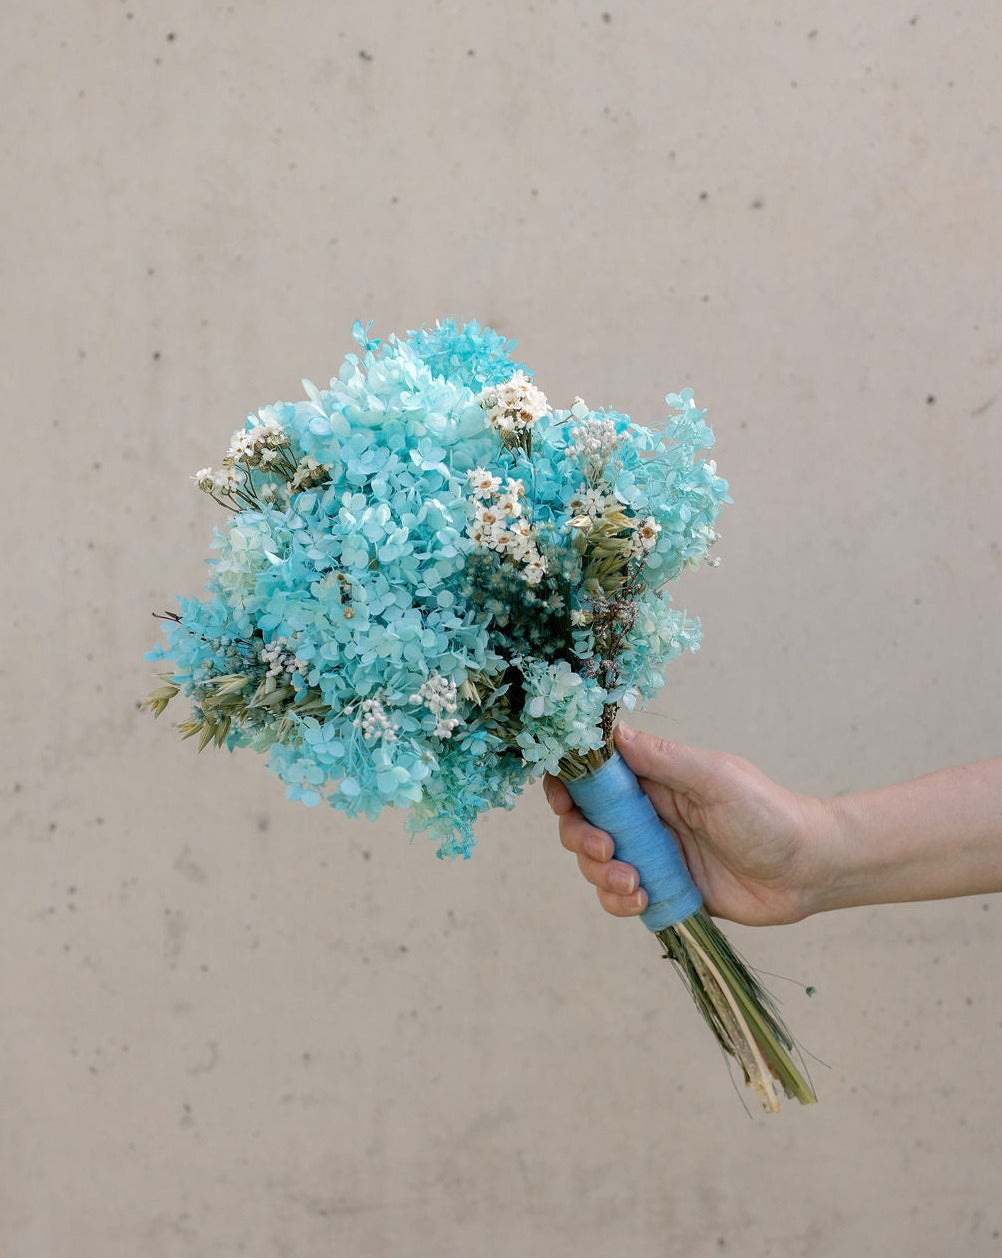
(431, 588)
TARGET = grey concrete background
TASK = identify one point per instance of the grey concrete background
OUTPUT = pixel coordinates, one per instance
(232, 1026)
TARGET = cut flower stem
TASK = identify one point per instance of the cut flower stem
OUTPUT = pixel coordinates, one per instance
(728, 994)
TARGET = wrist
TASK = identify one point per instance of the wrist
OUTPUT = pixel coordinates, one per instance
(829, 874)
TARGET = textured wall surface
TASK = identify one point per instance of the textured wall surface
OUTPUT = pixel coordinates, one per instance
(234, 1026)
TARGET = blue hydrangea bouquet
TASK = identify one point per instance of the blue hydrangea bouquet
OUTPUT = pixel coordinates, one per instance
(432, 588)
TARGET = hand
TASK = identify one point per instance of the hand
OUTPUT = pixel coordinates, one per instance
(751, 846)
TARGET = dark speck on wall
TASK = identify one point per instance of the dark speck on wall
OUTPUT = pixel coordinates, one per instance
(930, 399)
(607, 17)
(364, 54)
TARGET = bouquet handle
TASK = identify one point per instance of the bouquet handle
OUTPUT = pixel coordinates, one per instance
(611, 798)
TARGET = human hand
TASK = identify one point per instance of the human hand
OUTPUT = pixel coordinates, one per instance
(753, 848)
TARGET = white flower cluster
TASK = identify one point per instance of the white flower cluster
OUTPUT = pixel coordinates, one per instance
(308, 473)
(439, 695)
(374, 723)
(593, 502)
(594, 440)
(255, 447)
(258, 446)
(709, 535)
(280, 656)
(224, 482)
(513, 407)
(498, 523)
(645, 536)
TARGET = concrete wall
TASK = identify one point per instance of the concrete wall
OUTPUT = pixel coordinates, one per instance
(232, 1026)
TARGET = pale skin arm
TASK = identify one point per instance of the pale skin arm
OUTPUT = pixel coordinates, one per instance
(762, 855)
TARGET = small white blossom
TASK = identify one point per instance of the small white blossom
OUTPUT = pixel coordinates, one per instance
(511, 500)
(308, 473)
(594, 502)
(645, 536)
(374, 722)
(594, 441)
(535, 570)
(439, 695)
(483, 483)
(225, 481)
(259, 444)
(478, 532)
(646, 533)
(280, 656)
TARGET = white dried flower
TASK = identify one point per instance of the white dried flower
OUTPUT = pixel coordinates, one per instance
(646, 533)
(511, 500)
(594, 440)
(374, 722)
(439, 695)
(594, 502)
(280, 656)
(515, 405)
(483, 483)
(535, 570)
(225, 482)
(308, 473)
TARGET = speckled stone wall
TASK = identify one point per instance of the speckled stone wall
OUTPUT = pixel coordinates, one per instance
(233, 1026)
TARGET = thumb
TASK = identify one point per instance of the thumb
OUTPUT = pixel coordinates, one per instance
(675, 765)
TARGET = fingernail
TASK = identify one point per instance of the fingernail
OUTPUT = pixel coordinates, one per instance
(626, 733)
(623, 881)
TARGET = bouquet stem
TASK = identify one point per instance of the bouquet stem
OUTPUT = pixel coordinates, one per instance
(728, 994)
(739, 1011)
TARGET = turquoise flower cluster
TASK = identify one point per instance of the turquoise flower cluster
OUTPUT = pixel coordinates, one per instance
(431, 588)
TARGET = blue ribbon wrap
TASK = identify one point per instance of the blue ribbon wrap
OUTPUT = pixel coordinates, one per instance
(612, 799)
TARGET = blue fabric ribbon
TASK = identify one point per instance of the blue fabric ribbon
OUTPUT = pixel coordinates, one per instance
(612, 800)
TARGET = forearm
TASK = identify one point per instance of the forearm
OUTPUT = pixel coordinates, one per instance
(929, 839)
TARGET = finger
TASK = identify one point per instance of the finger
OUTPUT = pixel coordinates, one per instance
(614, 876)
(623, 905)
(578, 835)
(557, 795)
(675, 765)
